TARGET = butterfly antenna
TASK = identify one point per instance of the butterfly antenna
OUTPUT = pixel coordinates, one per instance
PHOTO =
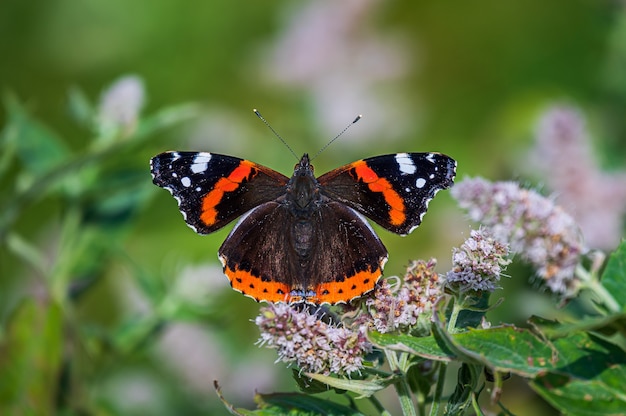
(275, 133)
(337, 136)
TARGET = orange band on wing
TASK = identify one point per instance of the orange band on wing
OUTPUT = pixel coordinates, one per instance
(350, 288)
(226, 184)
(375, 183)
(251, 285)
(331, 292)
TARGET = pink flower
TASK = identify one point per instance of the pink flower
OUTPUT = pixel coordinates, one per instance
(478, 263)
(401, 307)
(312, 344)
(533, 226)
(596, 199)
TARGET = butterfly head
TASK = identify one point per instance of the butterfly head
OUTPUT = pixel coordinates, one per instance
(303, 167)
(303, 186)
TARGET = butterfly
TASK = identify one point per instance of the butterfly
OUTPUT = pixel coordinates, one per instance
(302, 238)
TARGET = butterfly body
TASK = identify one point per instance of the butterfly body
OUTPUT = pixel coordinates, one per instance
(303, 238)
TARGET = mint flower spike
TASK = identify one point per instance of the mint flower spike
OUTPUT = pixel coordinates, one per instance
(564, 156)
(478, 263)
(534, 227)
(315, 346)
(400, 307)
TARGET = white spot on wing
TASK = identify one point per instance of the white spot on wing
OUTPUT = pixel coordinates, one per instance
(431, 157)
(420, 182)
(201, 162)
(405, 163)
(186, 182)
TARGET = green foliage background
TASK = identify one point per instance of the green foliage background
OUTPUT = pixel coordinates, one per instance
(97, 255)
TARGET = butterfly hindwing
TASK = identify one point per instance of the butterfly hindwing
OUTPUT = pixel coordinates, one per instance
(332, 257)
(212, 189)
(392, 190)
(349, 253)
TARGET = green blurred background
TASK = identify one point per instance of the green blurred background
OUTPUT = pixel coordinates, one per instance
(129, 312)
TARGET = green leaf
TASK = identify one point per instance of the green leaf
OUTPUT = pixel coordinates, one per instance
(467, 384)
(471, 316)
(308, 385)
(502, 349)
(614, 276)
(300, 404)
(279, 404)
(27, 252)
(80, 108)
(37, 146)
(136, 333)
(8, 150)
(422, 375)
(426, 347)
(508, 348)
(364, 388)
(30, 359)
(607, 325)
(590, 378)
(165, 118)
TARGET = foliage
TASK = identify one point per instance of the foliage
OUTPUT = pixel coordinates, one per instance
(421, 327)
(44, 343)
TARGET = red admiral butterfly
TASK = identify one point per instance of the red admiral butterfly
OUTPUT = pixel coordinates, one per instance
(303, 238)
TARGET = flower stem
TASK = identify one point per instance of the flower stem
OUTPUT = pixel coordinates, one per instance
(590, 281)
(379, 407)
(454, 316)
(457, 307)
(402, 387)
(441, 379)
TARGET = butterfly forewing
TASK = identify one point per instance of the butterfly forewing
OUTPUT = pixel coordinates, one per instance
(213, 190)
(392, 190)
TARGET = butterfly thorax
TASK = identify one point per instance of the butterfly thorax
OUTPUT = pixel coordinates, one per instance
(302, 199)
(303, 194)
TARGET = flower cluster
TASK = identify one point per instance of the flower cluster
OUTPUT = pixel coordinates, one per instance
(400, 306)
(533, 226)
(315, 346)
(563, 154)
(478, 263)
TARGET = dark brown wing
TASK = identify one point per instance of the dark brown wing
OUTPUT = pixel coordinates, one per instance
(333, 257)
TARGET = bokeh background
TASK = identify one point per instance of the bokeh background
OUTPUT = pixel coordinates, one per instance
(110, 305)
